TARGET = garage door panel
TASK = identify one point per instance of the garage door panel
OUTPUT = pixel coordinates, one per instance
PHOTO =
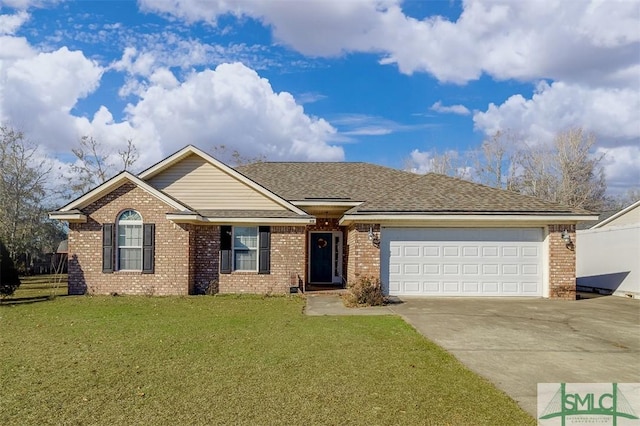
(448, 269)
(491, 269)
(430, 251)
(431, 269)
(508, 269)
(394, 287)
(510, 287)
(411, 251)
(470, 269)
(412, 269)
(463, 261)
(470, 287)
(431, 287)
(490, 287)
(490, 251)
(509, 251)
(451, 287)
(470, 251)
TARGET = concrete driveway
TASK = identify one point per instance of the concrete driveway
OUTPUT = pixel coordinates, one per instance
(517, 343)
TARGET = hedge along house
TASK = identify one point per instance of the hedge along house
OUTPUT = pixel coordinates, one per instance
(191, 224)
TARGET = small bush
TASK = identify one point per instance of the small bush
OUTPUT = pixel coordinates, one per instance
(9, 280)
(366, 291)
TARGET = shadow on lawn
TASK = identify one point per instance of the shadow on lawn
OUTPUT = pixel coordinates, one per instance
(28, 300)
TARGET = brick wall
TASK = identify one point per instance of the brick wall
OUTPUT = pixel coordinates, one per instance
(562, 263)
(287, 265)
(172, 266)
(363, 257)
(205, 244)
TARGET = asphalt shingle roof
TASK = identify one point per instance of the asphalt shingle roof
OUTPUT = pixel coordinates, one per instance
(386, 190)
(303, 181)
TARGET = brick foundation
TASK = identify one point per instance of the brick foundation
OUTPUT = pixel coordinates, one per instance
(562, 263)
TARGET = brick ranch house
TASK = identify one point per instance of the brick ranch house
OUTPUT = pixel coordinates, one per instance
(191, 224)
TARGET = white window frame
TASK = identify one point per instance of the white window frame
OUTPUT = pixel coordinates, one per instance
(234, 249)
(118, 246)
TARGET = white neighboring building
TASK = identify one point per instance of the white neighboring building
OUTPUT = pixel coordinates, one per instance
(608, 254)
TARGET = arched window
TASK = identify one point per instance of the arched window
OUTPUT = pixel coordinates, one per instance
(129, 241)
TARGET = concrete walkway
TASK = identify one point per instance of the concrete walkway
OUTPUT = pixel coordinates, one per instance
(331, 304)
(517, 343)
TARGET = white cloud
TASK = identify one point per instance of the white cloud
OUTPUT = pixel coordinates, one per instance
(452, 109)
(622, 167)
(610, 113)
(39, 90)
(231, 106)
(9, 24)
(502, 38)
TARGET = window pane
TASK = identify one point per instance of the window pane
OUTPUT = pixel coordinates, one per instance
(245, 238)
(130, 258)
(245, 260)
(130, 235)
(130, 215)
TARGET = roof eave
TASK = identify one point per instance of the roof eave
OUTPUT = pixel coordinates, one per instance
(413, 217)
(74, 216)
(202, 220)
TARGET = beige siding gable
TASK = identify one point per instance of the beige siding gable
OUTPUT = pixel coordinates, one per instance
(629, 218)
(201, 185)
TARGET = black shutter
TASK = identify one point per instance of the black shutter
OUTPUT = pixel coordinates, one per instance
(225, 250)
(107, 247)
(148, 247)
(264, 254)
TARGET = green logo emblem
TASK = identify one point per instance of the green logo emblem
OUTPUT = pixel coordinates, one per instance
(586, 400)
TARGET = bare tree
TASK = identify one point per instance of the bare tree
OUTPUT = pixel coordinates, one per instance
(95, 164)
(449, 163)
(23, 192)
(234, 157)
(567, 172)
(129, 155)
(494, 162)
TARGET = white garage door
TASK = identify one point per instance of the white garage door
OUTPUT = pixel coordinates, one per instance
(462, 261)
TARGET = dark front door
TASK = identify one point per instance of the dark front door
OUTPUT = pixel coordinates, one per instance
(320, 257)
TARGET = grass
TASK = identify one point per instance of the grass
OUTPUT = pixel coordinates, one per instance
(229, 360)
(39, 287)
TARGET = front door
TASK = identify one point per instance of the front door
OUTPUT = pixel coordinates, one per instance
(321, 257)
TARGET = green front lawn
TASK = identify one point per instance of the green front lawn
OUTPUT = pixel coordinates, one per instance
(39, 287)
(228, 360)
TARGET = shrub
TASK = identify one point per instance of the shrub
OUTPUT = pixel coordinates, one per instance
(366, 291)
(9, 280)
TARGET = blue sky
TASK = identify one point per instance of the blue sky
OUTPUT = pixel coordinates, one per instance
(385, 81)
